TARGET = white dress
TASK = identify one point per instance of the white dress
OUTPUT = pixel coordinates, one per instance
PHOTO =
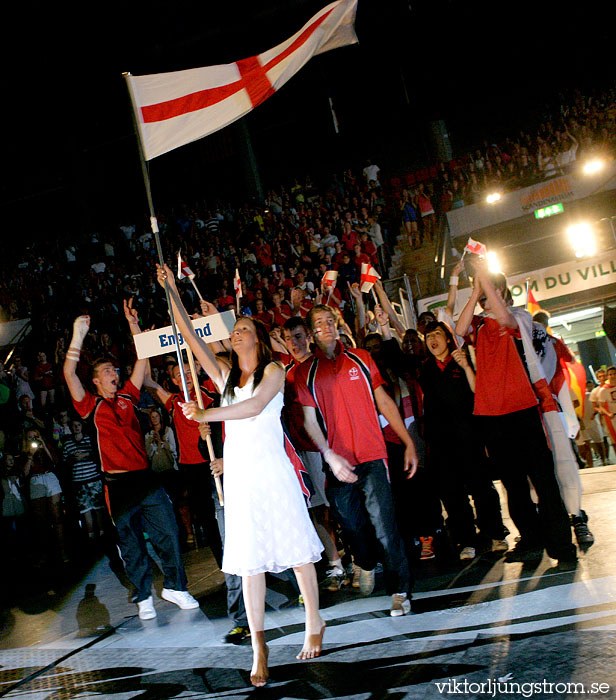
(267, 526)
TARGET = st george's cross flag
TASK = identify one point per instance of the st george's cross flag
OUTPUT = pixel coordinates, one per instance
(368, 277)
(329, 279)
(173, 109)
(475, 247)
(183, 269)
(237, 284)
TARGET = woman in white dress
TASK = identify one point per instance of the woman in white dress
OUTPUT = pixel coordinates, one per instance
(267, 526)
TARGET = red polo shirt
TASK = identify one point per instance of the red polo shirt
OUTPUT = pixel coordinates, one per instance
(502, 385)
(187, 430)
(120, 442)
(342, 392)
(294, 412)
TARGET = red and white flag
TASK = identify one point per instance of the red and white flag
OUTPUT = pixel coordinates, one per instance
(368, 277)
(237, 284)
(329, 279)
(174, 109)
(475, 247)
(183, 269)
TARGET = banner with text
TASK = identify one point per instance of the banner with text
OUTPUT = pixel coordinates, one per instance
(161, 340)
(547, 283)
(471, 218)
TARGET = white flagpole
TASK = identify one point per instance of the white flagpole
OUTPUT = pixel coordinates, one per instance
(196, 289)
(154, 226)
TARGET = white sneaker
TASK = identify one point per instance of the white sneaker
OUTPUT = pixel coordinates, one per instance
(467, 553)
(400, 605)
(146, 609)
(366, 581)
(182, 599)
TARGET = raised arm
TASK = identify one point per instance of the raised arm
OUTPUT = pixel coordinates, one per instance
(206, 357)
(388, 308)
(81, 326)
(383, 320)
(155, 388)
(453, 287)
(498, 307)
(360, 309)
(463, 326)
(269, 386)
(139, 370)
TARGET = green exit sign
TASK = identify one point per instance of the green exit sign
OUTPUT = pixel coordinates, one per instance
(549, 211)
(599, 334)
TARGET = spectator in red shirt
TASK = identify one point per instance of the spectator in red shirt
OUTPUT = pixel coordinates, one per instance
(349, 237)
(263, 252)
(300, 306)
(360, 258)
(224, 299)
(368, 248)
(338, 255)
(44, 380)
(265, 316)
(281, 310)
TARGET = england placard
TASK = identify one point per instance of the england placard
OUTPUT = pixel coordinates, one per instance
(161, 340)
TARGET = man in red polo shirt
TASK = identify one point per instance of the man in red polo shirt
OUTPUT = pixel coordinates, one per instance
(297, 340)
(343, 393)
(507, 410)
(136, 500)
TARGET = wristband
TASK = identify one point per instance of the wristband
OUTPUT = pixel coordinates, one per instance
(453, 281)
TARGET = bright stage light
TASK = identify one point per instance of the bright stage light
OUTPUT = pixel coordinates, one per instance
(493, 197)
(593, 166)
(582, 239)
(493, 264)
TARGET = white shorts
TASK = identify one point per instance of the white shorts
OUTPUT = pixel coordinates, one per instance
(314, 464)
(44, 486)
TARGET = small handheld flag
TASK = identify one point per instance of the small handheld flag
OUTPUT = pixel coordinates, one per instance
(368, 277)
(185, 272)
(475, 247)
(329, 279)
(183, 269)
(237, 285)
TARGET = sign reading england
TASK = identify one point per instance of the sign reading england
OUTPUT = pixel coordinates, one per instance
(161, 340)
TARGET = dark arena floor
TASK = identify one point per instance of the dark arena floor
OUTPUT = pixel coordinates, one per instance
(480, 629)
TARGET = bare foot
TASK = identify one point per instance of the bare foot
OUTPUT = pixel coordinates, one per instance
(259, 673)
(313, 644)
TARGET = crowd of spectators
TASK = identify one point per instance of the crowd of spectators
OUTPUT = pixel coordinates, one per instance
(282, 247)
